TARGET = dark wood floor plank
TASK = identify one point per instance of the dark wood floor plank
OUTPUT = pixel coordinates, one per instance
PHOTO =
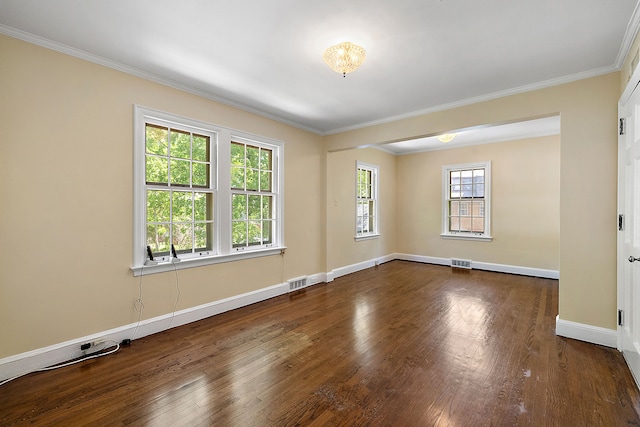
(402, 344)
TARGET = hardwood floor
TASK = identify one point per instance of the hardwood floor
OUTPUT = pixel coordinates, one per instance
(403, 344)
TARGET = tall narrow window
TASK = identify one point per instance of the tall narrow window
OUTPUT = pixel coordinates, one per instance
(252, 194)
(179, 195)
(466, 200)
(366, 200)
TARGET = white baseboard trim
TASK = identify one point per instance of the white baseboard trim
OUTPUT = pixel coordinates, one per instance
(423, 259)
(499, 268)
(34, 360)
(587, 333)
(343, 271)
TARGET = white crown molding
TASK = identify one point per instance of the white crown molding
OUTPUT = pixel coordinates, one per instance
(483, 98)
(629, 37)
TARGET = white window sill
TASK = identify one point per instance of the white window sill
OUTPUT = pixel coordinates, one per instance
(464, 236)
(367, 237)
(201, 261)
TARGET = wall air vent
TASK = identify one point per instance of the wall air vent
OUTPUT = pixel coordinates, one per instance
(461, 263)
(299, 283)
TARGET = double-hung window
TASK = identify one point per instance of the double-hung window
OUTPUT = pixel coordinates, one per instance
(366, 200)
(252, 195)
(203, 194)
(466, 201)
(179, 189)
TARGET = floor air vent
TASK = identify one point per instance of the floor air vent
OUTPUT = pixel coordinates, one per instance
(299, 283)
(461, 263)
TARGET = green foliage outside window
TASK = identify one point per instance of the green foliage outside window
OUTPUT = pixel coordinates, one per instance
(177, 164)
(252, 209)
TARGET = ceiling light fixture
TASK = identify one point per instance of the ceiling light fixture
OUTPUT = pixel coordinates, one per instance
(344, 58)
(446, 137)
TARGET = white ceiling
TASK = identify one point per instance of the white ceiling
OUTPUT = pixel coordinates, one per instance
(266, 56)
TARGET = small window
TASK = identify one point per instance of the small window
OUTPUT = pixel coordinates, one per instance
(466, 200)
(366, 200)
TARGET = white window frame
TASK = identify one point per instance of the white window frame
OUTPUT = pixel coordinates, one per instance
(375, 182)
(222, 250)
(446, 233)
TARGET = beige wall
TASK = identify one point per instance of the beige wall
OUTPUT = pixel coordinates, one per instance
(588, 171)
(66, 201)
(342, 249)
(525, 208)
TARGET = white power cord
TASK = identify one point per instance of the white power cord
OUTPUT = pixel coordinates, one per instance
(73, 362)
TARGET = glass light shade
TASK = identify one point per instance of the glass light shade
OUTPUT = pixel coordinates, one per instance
(446, 137)
(345, 57)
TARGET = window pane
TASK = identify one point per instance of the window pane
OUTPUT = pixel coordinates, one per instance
(265, 159)
(252, 157)
(200, 174)
(156, 170)
(239, 234)
(182, 206)
(180, 144)
(267, 232)
(362, 208)
(455, 192)
(478, 209)
(364, 183)
(454, 177)
(478, 190)
(183, 237)
(200, 148)
(454, 208)
(466, 176)
(158, 206)
(239, 206)
(156, 139)
(203, 206)
(254, 207)
(237, 154)
(180, 172)
(465, 223)
(158, 238)
(463, 209)
(254, 236)
(478, 225)
(237, 178)
(204, 236)
(267, 203)
(478, 176)
(265, 181)
(454, 223)
(252, 179)
(467, 190)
